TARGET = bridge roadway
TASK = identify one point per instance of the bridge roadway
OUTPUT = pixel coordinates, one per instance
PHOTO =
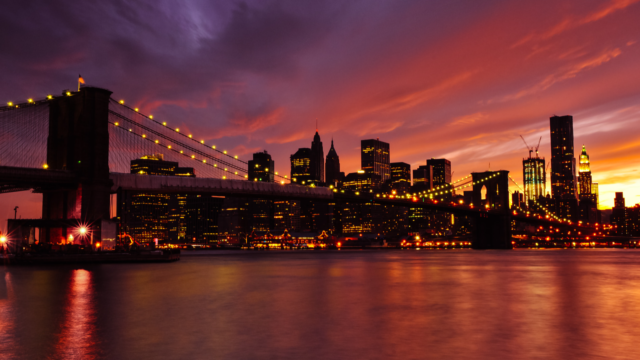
(18, 179)
(177, 184)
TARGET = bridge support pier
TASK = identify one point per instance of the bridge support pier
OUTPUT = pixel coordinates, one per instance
(492, 231)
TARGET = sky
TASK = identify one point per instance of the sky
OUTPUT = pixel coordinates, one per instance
(458, 79)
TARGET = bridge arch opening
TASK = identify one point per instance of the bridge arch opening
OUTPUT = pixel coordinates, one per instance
(483, 192)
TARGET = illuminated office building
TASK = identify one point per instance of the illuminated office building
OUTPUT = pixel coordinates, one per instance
(261, 168)
(441, 171)
(361, 181)
(301, 167)
(375, 158)
(286, 214)
(400, 172)
(619, 214)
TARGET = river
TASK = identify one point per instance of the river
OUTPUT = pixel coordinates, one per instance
(401, 304)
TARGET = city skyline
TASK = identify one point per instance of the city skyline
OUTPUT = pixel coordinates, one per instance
(553, 63)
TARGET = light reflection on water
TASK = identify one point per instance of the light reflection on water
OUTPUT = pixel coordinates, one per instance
(330, 305)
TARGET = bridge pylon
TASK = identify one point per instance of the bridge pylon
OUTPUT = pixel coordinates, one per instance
(78, 142)
(493, 226)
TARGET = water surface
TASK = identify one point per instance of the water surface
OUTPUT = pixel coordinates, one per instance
(458, 304)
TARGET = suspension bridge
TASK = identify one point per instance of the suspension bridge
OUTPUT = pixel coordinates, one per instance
(76, 149)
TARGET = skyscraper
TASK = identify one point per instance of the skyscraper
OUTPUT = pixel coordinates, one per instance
(584, 177)
(400, 172)
(332, 166)
(422, 178)
(441, 171)
(317, 159)
(563, 162)
(375, 158)
(261, 168)
(535, 177)
(301, 167)
(619, 214)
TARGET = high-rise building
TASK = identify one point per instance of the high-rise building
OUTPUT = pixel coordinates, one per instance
(332, 173)
(361, 181)
(584, 177)
(517, 199)
(535, 177)
(262, 167)
(563, 162)
(400, 172)
(441, 171)
(317, 159)
(619, 214)
(422, 178)
(588, 200)
(596, 193)
(301, 167)
(375, 158)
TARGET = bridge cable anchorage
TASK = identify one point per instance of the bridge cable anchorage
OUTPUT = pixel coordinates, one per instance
(189, 137)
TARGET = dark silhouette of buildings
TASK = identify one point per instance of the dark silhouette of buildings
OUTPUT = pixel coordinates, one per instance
(333, 174)
(563, 167)
(261, 168)
(619, 214)
(168, 216)
(375, 158)
(563, 162)
(317, 159)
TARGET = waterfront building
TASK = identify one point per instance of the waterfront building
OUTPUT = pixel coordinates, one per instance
(261, 168)
(588, 201)
(633, 220)
(286, 215)
(375, 158)
(317, 159)
(301, 167)
(333, 175)
(171, 217)
(563, 162)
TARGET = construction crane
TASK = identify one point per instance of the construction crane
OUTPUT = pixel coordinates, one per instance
(531, 148)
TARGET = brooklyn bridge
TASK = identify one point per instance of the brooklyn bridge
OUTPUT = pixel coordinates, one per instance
(76, 150)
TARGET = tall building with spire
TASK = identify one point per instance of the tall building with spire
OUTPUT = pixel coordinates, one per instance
(317, 158)
(587, 195)
(584, 177)
(332, 167)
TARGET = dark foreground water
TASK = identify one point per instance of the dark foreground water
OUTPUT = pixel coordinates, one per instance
(464, 304)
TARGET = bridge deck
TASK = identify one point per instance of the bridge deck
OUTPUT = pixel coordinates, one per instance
(216, 186)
